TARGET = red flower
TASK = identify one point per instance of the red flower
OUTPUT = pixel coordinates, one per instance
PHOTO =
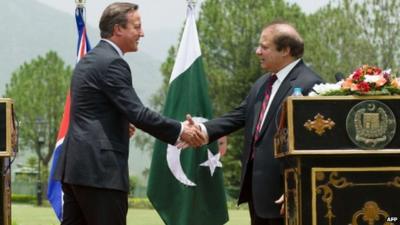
(363, 87)
(370, 78)
(378, 70)
(357, 75)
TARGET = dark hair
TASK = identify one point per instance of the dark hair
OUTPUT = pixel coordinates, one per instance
(115, 14)
(283, 39)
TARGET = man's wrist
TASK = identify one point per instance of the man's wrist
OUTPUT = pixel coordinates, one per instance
(204, 131)
(178, 140)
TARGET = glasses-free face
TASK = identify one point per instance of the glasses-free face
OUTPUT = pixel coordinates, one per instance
(131, 33)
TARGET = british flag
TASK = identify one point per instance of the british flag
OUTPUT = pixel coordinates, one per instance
(54, 191)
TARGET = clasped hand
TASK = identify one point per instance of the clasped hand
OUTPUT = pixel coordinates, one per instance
(192, 135)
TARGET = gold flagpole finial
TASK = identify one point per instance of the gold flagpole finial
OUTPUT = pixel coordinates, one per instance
(80, 3)
(191, 2)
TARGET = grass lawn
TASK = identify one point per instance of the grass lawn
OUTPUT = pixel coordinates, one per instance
(32, 215)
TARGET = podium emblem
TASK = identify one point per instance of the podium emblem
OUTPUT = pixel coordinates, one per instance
(371, 125)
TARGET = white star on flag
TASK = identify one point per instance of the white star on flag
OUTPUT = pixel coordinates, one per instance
(212, 162)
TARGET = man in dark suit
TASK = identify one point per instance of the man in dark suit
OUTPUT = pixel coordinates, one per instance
(93, 167)
(280, 50)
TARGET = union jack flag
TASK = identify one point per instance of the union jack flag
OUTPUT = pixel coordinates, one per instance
(54, 191)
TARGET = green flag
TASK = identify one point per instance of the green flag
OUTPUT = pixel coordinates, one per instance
(186, 187)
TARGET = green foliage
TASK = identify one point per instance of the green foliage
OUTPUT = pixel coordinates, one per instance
(350, 33)
(335, 43)
(39, 88)
(31, 162)
(380, 24)
(145, 143)
(18, 198)
(139, 203)
(384, 91)
(232, 205)
(133, 182)
(336, 93)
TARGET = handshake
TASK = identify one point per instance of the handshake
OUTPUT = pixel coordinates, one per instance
(192, 134)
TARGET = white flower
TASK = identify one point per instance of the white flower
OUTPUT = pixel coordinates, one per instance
(320, 89)
(372, 78)
(312, 93)
(388, 71)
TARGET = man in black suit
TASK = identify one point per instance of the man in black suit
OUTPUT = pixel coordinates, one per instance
(280, 50)
(93, 167)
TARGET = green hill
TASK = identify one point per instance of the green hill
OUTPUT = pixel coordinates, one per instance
(31, 29)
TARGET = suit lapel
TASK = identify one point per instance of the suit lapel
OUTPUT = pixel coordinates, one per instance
(258, 102)
(280, 95)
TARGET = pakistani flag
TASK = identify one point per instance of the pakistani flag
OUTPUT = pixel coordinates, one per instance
(186, 187)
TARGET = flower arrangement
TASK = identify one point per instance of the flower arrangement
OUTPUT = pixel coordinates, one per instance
(366, 80)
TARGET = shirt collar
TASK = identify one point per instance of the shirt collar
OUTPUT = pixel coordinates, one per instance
(114, 46)
(282, 74)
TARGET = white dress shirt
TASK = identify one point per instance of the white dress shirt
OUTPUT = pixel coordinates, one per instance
(114, 46)
(281, 75)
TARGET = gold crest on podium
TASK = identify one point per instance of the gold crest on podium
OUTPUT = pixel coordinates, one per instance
(371, 125)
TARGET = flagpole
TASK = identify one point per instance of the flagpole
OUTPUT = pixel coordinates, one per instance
(191, 3)
(54, 191)
(80, 3)
(191, 177)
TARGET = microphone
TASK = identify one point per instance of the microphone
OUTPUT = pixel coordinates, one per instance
(339, 76)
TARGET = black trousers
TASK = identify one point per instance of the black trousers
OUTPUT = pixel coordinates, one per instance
(93, 206)
(255, 219)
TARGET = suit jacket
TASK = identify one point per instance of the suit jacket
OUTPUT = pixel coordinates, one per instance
(267, 180)
(103, 103)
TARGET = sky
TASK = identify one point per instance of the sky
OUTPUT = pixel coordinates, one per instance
(156, 14)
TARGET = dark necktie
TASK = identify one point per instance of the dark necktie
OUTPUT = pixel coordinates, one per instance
(267, 95)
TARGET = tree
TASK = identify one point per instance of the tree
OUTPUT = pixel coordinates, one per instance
(38, 89)
(348, 33)
(380, 24)
(336, 43)
(133, 183)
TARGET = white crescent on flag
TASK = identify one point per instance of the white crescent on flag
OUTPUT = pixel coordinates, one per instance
(174, 160)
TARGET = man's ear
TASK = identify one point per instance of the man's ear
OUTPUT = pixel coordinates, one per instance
(285, 51)
(117, 30)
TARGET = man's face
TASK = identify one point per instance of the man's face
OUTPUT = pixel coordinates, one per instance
(131, 33)
(271, 60)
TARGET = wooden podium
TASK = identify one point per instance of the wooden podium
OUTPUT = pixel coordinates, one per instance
(6, 130)
(341, 158)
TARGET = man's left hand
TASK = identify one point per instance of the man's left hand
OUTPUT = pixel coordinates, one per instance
(280, 201)
(132, 130)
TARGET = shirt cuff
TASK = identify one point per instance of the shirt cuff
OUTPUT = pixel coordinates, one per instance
(178, 140)
(204, 131)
